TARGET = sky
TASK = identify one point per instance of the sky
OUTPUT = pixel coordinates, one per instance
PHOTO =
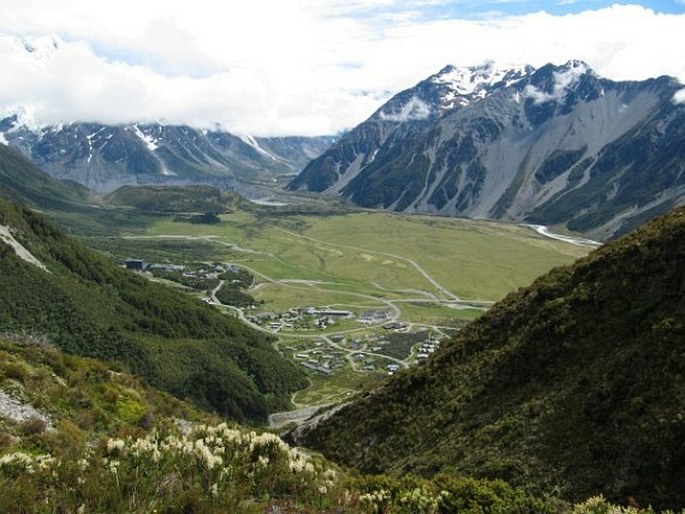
(300, 67)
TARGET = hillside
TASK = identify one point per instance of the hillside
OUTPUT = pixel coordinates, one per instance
(554, 145)
(21, 181)
(39, 383)
(75, 434)
(172, 199)
(573, 385)
(78, 436)
(84, 304)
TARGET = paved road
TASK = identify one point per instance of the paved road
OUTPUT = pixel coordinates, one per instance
(213, 292)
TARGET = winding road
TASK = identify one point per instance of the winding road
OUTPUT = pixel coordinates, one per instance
(443, 297)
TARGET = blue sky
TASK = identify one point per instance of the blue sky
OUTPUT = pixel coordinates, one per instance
(300, 67)
(473, 8)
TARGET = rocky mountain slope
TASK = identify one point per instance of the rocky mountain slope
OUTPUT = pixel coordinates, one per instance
(558, 144)
(104, 157)
(573, 385)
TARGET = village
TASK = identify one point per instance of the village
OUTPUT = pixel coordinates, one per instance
(331, 340)
(368, 353)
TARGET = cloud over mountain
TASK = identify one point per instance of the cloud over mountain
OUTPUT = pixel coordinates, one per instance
(275, 68)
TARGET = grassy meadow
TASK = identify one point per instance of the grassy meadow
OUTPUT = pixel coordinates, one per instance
(382, 254)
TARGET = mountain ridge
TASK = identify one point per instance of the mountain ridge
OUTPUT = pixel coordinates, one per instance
(547, 145)
(105, 157)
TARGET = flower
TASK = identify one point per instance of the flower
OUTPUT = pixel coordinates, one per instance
(115, 444)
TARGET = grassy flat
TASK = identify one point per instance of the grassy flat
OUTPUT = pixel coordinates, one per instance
(375, 253)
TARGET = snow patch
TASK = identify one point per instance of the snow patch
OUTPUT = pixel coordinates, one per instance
(250, 140)
(7, 237)
(3, 139)
(474, 79)
(414, 109)
(90, 142)
(150, 142)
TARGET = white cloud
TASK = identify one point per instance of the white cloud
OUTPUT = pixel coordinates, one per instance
(414, 109)
(538, 96)
(563, 81)
(293, 66)
(679, 97)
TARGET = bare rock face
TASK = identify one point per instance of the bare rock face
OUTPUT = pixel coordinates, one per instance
(554, 145)
(19, 412)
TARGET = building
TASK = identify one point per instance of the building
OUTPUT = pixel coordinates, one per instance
(321, 369)
(368, 317)
(135, 264)
(327, 312)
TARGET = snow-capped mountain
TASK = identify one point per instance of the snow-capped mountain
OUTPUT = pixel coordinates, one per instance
(104, 157)
(558, 144)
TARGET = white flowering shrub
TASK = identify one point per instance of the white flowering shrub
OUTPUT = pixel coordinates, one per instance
(444, 494)
(210, 468)
(599, 505)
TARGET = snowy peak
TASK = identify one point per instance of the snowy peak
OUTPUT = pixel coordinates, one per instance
(472, 79)
(451, 88)
(465, 85)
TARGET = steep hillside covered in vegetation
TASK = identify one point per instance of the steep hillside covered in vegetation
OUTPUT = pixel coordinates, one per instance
(21, 181)
(78, 436)
(574, 385)
(75, 434)
(88, 306)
